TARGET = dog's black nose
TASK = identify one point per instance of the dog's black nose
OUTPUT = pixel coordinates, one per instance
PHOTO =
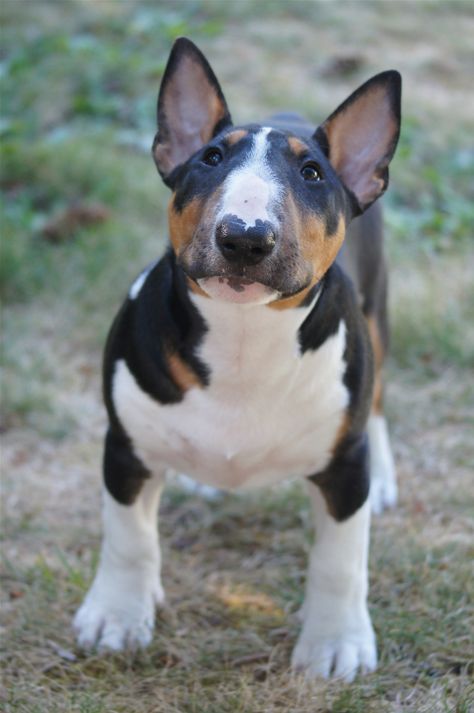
(245, 245)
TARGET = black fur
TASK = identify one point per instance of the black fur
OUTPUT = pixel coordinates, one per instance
(124, 473)
(345, 482)
(163, 318)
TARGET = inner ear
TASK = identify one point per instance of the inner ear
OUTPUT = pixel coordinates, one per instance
(360, 137)
(191, 107)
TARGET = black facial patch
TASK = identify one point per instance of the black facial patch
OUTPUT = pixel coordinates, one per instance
(196, 179)
(327, 198)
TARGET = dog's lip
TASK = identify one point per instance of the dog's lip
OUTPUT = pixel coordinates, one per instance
(231, 277)
(235, 280)
(238, 290)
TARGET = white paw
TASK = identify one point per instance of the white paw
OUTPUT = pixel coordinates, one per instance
(341, 656)
(119, 611)
(383, 493)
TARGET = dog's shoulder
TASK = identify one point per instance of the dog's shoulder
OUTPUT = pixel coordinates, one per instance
(155, 333)
(340, 301)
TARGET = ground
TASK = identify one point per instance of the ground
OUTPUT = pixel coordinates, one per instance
(82, 212)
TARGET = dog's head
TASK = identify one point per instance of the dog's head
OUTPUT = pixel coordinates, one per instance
(258, 214)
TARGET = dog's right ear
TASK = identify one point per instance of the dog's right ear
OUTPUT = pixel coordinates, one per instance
(191, 108)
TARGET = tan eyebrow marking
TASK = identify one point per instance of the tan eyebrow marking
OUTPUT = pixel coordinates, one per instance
(297, 146)
(235, 136)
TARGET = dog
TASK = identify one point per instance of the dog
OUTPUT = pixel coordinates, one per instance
(251, 352)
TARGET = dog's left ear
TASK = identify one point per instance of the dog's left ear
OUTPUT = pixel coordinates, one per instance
(361, 136)
(191, 107)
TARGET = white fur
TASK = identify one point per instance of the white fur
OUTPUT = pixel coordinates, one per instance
(251, 190)
(337, 635)
(219, 288)
(269, 413)
(191, 486)
(119, 609)
(140, 281)
(383, 482)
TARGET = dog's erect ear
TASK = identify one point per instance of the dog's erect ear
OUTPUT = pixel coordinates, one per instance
(360, 137)
(191, 107)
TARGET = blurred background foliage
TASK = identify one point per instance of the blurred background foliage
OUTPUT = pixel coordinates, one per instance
(82, 208)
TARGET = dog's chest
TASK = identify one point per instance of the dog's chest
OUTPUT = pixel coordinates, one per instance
(268, 413)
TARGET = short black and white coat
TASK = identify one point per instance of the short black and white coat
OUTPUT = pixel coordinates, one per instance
(248, 353)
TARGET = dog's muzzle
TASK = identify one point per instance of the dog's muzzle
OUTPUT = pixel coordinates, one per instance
(244, 245)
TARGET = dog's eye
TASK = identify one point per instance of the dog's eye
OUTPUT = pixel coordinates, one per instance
(311, 172)
(212, 157)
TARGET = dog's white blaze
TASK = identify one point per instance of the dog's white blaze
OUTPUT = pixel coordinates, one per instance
(252, 189)
(268, 413)
(337, 632)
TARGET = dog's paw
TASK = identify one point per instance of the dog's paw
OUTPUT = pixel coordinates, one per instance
(340, 655)
(118, 614)
(383, 493)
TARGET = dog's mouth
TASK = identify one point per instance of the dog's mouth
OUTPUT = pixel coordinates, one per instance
(239, 290)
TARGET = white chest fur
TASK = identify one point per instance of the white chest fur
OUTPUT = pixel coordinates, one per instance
(269, 413)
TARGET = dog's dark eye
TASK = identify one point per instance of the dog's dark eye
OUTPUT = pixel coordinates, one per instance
(212, 157)
(311, 172)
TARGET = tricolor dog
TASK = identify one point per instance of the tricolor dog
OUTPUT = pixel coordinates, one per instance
(251, 352)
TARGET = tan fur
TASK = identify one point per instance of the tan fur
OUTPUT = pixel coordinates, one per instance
(194, 287)
(292, 301)
(235, 136)
(297, 146)
(183, 224)
(378, 350)
(317, 248)
(181, 373)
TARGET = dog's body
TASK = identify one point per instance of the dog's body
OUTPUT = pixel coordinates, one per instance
(243, 357)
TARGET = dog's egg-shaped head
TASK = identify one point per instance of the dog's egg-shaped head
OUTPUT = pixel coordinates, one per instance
(259, 212)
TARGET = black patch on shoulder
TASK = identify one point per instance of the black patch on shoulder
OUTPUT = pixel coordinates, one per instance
(345, 483)
(337, 302)
(323, 320)
(161, 318)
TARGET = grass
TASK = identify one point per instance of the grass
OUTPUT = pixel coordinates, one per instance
(227, 632)
(78, 103)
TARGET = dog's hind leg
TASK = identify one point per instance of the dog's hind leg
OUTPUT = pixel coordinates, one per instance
(383, 482)
(119, 609)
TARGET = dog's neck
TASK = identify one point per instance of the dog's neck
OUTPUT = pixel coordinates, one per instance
(242, 339)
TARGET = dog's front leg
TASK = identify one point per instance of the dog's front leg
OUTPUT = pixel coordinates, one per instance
(337, 635)
(119, 609)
